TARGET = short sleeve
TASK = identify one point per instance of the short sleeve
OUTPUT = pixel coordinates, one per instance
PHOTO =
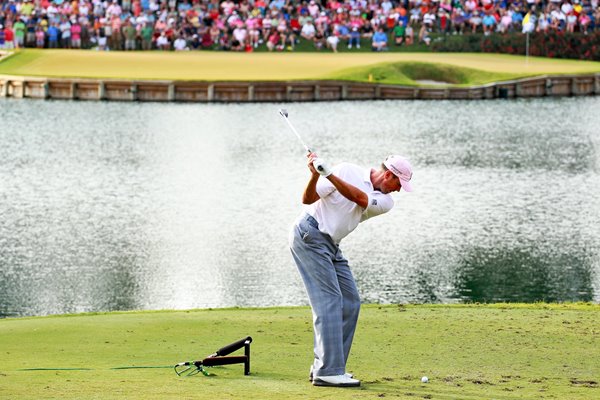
(379, 203)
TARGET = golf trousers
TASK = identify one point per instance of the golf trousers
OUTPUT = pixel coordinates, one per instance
(332, 294)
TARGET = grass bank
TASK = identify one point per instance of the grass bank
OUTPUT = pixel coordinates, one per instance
(409, 73)
(468, 352)
(468, 68)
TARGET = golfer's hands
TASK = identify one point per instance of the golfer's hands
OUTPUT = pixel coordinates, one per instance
(322, 167)
(318, 165)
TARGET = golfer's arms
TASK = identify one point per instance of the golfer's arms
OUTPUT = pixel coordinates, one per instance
(349, 191)
(310, 192)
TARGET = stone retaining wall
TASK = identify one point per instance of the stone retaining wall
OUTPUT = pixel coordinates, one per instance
(290, 91)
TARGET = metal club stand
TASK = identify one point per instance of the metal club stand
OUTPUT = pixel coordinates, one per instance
(219, 357)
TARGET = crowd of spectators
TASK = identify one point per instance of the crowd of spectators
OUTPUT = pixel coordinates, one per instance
(277, 25)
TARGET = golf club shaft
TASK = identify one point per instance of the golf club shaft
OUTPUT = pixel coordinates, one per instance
(295, 131)
(284, 114)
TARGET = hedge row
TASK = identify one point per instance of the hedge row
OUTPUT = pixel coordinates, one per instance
(552, 44)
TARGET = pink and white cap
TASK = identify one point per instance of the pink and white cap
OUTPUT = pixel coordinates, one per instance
(402, 169)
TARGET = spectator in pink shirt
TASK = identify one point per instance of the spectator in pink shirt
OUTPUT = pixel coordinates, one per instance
(252, 25)
(584, 22)
(114, 9)
(76, 35)
(40, 37)
(160, 25)
(228, 7)
(313, 9)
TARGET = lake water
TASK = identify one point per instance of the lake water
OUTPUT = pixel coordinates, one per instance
(120, 206)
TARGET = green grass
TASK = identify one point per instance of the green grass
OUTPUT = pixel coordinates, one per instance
(468, 352)
(407, 73)
(387, 67)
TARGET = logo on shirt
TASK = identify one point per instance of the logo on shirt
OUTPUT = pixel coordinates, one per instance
(374, 202)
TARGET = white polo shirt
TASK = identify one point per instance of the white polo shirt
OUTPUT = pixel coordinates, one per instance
(338, 216)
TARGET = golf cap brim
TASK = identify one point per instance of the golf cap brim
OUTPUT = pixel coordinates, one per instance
(400, 167)
(406, 186)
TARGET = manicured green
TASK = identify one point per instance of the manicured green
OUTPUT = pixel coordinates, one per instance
(388, 67)
(468, 352)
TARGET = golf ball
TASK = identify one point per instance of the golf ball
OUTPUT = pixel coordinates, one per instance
(424, 379)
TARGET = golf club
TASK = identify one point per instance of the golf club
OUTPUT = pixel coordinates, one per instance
(283, 112)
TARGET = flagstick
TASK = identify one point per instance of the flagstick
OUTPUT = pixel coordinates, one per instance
(527, 49)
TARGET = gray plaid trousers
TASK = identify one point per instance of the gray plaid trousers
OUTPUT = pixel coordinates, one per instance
(332, 294)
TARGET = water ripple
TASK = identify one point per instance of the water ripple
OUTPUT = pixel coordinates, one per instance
(119, 206)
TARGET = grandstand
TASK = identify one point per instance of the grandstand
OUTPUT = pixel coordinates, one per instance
(284, 25)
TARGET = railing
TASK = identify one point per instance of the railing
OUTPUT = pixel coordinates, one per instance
(287, 91)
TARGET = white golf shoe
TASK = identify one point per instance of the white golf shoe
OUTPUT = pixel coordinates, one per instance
(310, 376)
(335, 381)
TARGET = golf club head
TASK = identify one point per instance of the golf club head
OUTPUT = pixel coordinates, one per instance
(283, 112)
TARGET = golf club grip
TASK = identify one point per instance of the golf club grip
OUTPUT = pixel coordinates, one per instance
(212, 361)
(230, 348)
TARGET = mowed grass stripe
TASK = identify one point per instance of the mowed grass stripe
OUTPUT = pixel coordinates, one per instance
(224, 66)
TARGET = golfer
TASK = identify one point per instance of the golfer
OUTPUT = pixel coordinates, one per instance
(337, 200)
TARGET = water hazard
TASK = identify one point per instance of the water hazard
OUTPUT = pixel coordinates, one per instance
(113, 206)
